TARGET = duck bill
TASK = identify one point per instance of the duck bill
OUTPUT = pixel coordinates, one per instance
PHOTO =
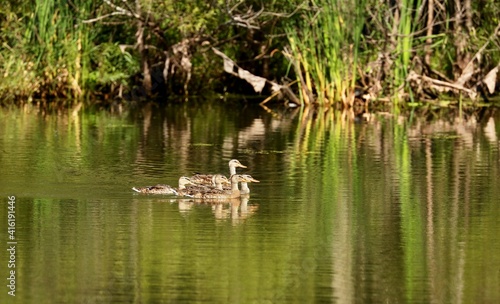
(252, 180)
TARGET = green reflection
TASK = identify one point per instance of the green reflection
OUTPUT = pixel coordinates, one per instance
(385, 211)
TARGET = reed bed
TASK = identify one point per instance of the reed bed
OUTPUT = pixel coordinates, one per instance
(50, 52)
(325, 51)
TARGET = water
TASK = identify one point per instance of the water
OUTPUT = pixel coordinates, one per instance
(388, 211)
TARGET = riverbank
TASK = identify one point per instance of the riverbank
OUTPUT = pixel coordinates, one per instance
(389, 54)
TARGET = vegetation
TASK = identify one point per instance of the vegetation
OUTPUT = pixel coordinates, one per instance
(325, 51)
(328, 52)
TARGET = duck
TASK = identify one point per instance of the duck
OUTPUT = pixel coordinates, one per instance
(218, 180)
(206, 179)
(244, 184)
(217, 194)
(165, 189)
(217, 183)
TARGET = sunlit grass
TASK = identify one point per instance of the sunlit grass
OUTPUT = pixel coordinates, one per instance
(325, 51)
(406, 26)
(58, 41)
(49, 51)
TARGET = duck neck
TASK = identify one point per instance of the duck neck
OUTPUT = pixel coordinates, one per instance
(234, 186)
(232, 170)
(244, 187)
(235, 192)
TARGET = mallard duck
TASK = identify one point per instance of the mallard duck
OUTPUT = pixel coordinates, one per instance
(165, 189)
(214, 193)
(217, 183)
(218, 180)
(206, 179)
(244, 184)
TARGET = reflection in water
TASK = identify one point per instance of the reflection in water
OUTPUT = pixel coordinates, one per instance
(185, 205)
(236, 209)
(386, 211)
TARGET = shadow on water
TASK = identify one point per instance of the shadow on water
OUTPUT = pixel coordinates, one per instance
(390, 210)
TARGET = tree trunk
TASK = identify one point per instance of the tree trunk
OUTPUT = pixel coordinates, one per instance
(146, 72)
(468, 15)
(462, 57)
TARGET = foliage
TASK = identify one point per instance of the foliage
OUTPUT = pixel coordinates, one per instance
(401, 49)
(404, 49)
(325, 50)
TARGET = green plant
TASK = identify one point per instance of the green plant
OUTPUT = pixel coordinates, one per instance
(324, 49)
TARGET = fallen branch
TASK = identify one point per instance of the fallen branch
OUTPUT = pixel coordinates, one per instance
(283, 89)
(440, 85)
(256, 82)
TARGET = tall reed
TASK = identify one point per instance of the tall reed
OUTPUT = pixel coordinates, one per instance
(324, 51)
(406, 25)
(58, 43)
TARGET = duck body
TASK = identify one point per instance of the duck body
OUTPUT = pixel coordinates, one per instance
(217, 193)
(165, 189)
(156, 189)
(195, 190)
(216, 181)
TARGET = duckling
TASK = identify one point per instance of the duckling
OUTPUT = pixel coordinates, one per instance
(165, 189)
(206, 179)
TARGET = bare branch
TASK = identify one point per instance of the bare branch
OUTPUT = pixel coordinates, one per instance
(118, 8)
(246, 19)
(104, 17)
(440, 85)
(283, 15)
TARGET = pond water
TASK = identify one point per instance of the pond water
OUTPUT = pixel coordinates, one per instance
(386, 211)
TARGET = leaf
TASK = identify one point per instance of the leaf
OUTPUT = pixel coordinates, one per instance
(491, 79)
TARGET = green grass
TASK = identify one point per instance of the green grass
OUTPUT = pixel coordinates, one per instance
(325, 50)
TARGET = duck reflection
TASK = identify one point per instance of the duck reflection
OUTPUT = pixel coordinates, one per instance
(185, 205)
(235, 209)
